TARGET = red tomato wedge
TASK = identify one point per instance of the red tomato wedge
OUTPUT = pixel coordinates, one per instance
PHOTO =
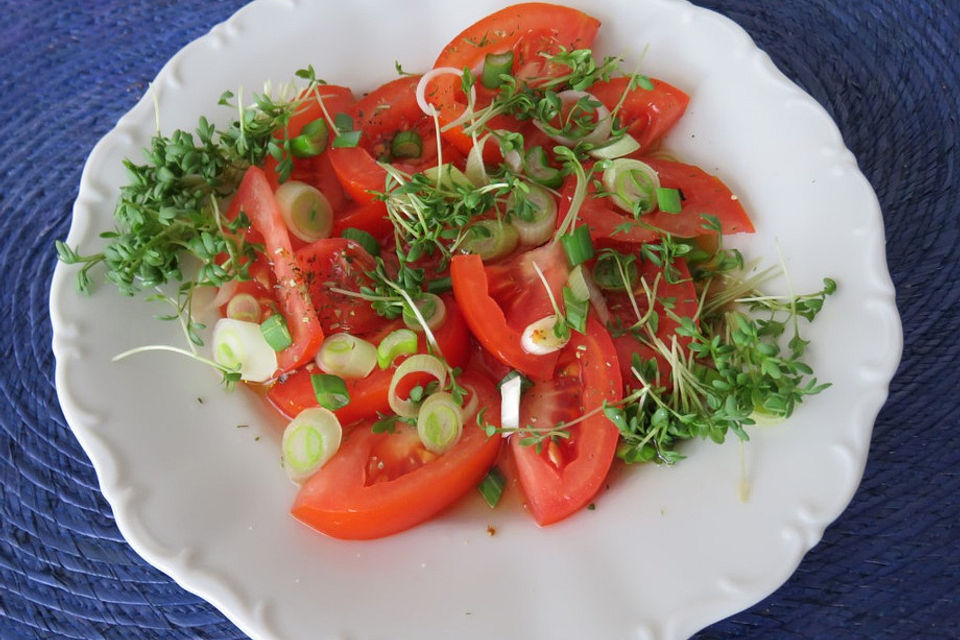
(368, 396)
(567, 472)
(342, 264)
(380, 483)
(681, 299)
(527, 30)
(701, 194)
(370, 217)
(648, 114)
(379, 116)
(255, 198)
(500, 300)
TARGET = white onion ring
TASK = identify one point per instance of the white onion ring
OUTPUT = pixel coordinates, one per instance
(204, 299)
(598, 135)
(425, 106)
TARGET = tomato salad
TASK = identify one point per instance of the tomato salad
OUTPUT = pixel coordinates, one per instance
(489, 275)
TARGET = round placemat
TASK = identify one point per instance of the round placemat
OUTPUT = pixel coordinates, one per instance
(887, 71)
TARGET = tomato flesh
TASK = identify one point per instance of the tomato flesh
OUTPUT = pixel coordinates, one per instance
(379, 484)
(566, 473)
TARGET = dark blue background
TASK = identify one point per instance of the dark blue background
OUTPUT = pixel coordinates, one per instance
(887, 70)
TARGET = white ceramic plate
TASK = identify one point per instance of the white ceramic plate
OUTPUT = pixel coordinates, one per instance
(667, 551)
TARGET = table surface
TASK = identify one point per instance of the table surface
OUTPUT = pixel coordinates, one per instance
(887, 71)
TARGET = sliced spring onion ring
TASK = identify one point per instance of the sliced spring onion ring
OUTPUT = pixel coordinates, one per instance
(539, 337)
(447, 176)
(494, 66)
(425, 106)
(275, 331)
(475, 170)
(330, 390)
(433, 310)
(395, 344)
(440, 285)
(306, 211)
(491, 239)
(241, 345)
(440, 422)
(510, 403)
(668, 200)
(633, 184)
(577, 245)
(535, 224)
(312, 140)
(406, 144)
(537, 167)
(417, 363)
(583, 287)
(616, 149)
(309, 440)
(347, 356)
(492, 486)
(244, 306)
(600, 132)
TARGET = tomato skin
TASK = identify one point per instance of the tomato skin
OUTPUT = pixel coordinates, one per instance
(487, 320)
(370, 217)
(255, 198)
(342, 263)
(341, 501)
(526, 29)
(647, 114)
(702, 194)
(552, 493)
(369, 395)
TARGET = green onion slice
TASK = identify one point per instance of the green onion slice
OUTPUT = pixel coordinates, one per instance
(668, 200)
(491, 239)
(440, 285)
(633, 185)
(309, 440)
(540, 337)
(346, 140)
(534, 215)
(494, 66)
(276, 333)
(623, 146)
(406, 144)
(312, 140)
(306, 211)
(364, 239)
(577, 245)
(346, 356)
(582, 287)
(244, 306)
(537, 166)
(431, 307)
(440, 422)
(576, 310)
(417, 363)
(240, 345)
(396, 343)
(448, 176)
(330, 391)
(492, 486)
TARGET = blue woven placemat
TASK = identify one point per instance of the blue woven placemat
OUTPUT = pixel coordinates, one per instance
(887, 70)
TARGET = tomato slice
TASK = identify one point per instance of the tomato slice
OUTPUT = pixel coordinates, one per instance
(368, 396)
(379, 116)
(648, 114)
(680, 297)
(338, 263)
(702, 194)
(255, 198)
(500, 300)
(370, 217)
(381, 483)
(567, 472)
(528, 30)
